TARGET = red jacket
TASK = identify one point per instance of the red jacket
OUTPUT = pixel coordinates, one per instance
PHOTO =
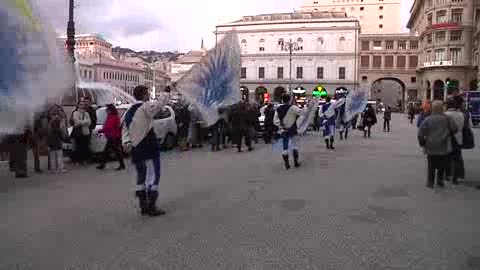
(111, 128)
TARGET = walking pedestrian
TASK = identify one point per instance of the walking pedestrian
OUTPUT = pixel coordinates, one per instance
(286, 120)
(411, 113)
(56, 137)
(387, 117)
(183, 120)
(456, 169)
(81, 133)
(369, 120)
(435, 137)
(139, 137)
(112, 131)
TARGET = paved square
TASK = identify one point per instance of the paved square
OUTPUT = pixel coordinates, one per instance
(364, 206)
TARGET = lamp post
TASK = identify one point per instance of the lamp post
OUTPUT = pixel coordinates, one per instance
(71, 31)
(290, 46)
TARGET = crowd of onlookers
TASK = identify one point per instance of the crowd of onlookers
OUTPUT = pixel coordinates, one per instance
(444, 131)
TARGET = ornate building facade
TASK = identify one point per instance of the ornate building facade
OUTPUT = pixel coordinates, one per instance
(285, 51)
(447, 55)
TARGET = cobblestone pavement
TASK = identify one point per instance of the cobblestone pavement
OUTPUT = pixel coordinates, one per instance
(364, 206)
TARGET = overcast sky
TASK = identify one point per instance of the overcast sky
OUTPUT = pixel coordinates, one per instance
(163, 24)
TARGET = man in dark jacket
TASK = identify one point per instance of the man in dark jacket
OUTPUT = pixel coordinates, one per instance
(239, 122)
(268, 123)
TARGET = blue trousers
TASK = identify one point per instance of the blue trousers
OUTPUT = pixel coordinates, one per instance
(148, 174)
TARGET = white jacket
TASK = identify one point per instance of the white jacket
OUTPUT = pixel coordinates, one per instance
(142, 121)
(459, 119)
(290, 118)
(82, 119)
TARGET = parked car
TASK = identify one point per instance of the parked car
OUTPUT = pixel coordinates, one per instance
(164, 126)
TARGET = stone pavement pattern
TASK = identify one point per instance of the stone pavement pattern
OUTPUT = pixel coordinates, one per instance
(364, 206)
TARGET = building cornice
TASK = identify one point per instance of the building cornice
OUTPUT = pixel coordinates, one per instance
(269, 23)
(297, 54)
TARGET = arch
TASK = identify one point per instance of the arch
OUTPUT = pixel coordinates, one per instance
(387, 92)
(278, 93)
(259, 92)
(438, 90)
(320, 41)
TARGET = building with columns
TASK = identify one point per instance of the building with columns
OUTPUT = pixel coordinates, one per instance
(375, 16)
(447, 51)
(324, 50)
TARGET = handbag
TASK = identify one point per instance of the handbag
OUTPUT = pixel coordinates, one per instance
(467, 135)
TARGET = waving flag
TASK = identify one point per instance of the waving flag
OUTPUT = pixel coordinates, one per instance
(355, 103)
(32, 70)
(215, 82)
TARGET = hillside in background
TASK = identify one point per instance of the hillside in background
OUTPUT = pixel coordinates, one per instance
(148, 56)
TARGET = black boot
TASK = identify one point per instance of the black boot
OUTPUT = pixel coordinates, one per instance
(152, 209)
(296, 163)
(142, 200)
(331, 143)
(286, 161)
(327, 142)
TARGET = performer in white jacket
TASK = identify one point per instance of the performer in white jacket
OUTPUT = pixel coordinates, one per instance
(286, 117)
(139, 137)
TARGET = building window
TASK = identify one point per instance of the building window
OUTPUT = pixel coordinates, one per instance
(457, 15)
(90, 74)
(261, 45)
(365, 45)
(380, 17)
(377, 61)
(362, 8)
(364, 78)
(380, 8)
(377, 45)
(365, 61)
(441, 16)
(456, 36)
(341, 43)
(428, 56)
(261, 73)
(413, 45)
(413, 61)
(440, 55)
(299, 72)
(320, 73)
(243, 73)
(440, 36)
(300, 44)
(429, 38)
(104, 75)
(280, 73)
(429, 19)
(380, 26)
(244, 44)
(455, 55)
(341, 73)
(389, 45)
(413, 79)
(401, 61)
(389, 61)
(402, 45)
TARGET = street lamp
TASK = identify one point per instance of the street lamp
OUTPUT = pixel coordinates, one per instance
(290, 46)
(71, 31)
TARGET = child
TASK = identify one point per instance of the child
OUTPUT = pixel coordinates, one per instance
(56, 137)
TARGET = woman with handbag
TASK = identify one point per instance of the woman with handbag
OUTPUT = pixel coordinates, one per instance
(81, 133)
(456, 168)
